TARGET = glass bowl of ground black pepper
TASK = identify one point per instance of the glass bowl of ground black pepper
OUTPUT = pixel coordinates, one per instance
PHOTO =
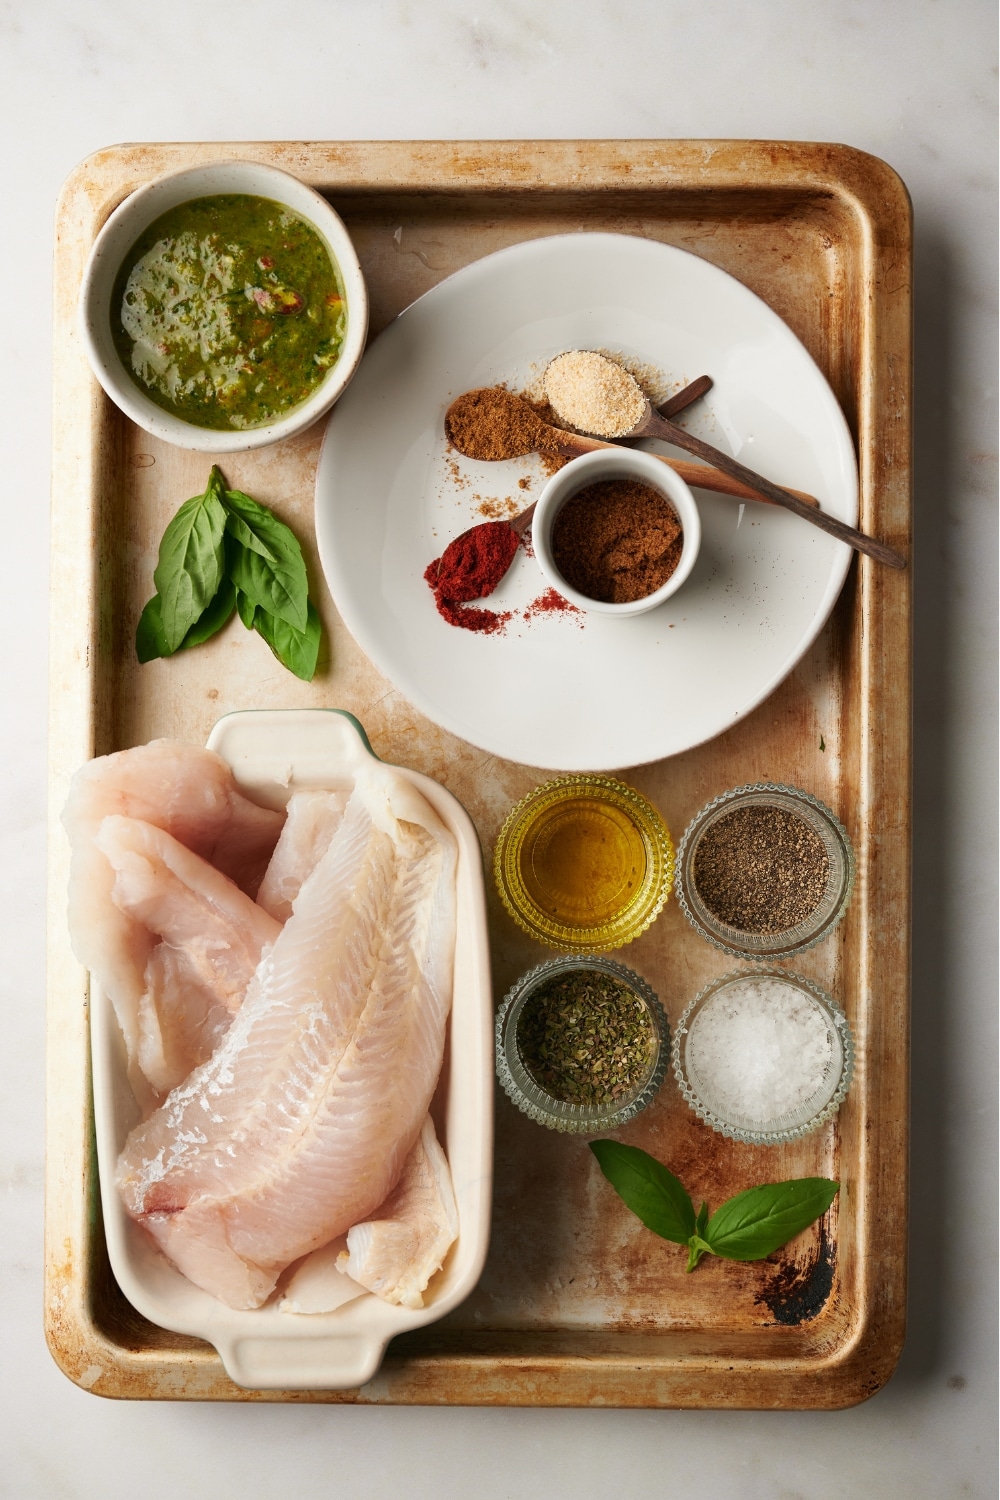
(616, 532)
(582, 1044)
(765, 871)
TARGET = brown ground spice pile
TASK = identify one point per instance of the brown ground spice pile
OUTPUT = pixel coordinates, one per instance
(492, 423)
(617, 541)
(761, 869)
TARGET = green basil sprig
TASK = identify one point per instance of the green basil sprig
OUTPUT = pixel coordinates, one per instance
(747, 1227)
(225, 553)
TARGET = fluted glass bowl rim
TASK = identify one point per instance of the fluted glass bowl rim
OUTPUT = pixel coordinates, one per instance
(610, 934)
(771, 947)
(766, 1136)
(532, 1100)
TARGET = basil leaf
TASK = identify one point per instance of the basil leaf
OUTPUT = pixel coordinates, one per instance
(297, 650)
(238, 528)
(218, 614)
(189, 568)
(754, 1223)
(648, 1189)
(246, 609)
(150, 642)
(265, 561)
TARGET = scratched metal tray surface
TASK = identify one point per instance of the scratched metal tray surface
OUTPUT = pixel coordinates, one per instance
(578, 1305)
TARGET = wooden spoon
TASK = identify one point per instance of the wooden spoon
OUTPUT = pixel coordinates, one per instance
(651, 424)
(679, 402)
(460, 549)
(525, 432)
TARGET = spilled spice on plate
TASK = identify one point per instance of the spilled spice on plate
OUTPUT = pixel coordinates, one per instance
(550, 603)
(586, 1038)
(496, 507)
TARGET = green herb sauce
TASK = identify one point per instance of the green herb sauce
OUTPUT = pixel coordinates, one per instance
(229, 311)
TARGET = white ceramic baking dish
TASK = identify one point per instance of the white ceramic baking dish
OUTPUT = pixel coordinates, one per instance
(274, 753)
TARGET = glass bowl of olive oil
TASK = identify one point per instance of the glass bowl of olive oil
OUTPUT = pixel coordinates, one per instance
(582, 1044)
(584, 863)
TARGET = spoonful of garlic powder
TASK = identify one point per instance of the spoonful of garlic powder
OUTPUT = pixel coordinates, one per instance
(594, 394)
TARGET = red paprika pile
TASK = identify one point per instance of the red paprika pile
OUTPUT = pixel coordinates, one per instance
(471, 567)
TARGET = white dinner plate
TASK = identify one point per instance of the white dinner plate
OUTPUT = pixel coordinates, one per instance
(558, 690)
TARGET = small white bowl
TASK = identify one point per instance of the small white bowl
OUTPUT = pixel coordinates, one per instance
(596, 468)
(131, 218)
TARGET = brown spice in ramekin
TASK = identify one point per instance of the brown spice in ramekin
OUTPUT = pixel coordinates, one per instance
(617, 541)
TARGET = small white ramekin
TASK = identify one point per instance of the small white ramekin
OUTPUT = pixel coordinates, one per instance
(132, 217)
(597, 468)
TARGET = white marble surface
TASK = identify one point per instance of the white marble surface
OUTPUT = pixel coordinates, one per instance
(912, 83)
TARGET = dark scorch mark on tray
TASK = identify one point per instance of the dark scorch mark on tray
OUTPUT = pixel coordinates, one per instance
(797, 1293)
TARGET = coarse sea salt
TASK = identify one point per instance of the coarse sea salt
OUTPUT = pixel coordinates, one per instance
(759, 1049)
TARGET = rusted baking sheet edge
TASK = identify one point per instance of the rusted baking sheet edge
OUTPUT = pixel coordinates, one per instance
(686, 1371)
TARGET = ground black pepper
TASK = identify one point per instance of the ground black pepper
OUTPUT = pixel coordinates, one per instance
(586, 1038)
(761, 869)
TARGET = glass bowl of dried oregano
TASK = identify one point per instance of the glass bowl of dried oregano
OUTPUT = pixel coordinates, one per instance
(765, 871)
(582, 1044)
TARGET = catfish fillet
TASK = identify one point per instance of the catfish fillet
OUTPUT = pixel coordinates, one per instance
(299, 1124)
(190, 794)
(395, 1254)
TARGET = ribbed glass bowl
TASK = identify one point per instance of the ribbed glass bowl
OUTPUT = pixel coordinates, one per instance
(587, 911)
(530, 1098)
(813, 1112)
(764, 947)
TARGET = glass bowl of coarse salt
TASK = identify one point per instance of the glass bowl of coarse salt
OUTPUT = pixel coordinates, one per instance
(763, 1056)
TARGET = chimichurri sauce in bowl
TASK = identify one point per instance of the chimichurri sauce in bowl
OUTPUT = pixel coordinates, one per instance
(229, 311)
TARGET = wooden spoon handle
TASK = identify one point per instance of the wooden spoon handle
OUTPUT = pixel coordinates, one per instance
(844, 533)
(700, 476)
(683, 398)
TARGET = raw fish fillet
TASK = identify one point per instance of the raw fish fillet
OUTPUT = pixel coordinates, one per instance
(395, 1254)
(317, 1285)
(212, 938)
(311, 820)
(187, 792)
(299, 1125)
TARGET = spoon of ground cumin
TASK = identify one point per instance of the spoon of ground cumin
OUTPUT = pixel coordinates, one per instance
(491, 424)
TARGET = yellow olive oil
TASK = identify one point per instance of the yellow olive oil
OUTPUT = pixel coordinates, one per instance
(584, 862)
